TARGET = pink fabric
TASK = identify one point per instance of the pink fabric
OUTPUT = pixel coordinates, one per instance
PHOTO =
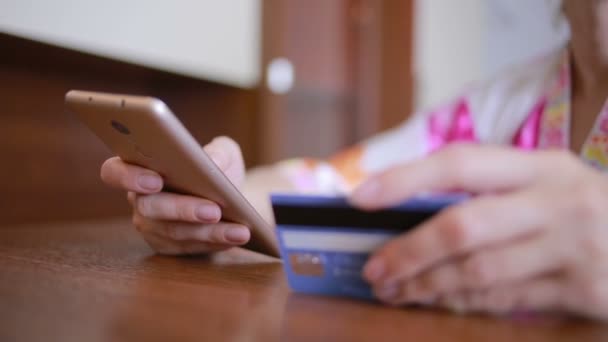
(527, 136)
(446, 127)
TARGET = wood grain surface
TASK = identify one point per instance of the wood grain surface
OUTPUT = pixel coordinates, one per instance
(98, 281)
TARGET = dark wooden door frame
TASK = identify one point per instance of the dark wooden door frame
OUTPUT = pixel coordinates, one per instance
(385, 58)
(369, 41)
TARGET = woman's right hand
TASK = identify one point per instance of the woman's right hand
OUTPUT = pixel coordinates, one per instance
(180, 224)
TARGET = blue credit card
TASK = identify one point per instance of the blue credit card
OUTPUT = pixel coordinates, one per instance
(325, 242)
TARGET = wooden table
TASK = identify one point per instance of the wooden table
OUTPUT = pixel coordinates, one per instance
(98, 281)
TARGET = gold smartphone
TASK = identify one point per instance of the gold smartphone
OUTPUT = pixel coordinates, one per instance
(143, 131)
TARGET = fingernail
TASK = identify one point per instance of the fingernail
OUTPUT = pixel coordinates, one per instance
(208, 213)
(374, 270)
(237, 235)
(149, 182)
(367, 190)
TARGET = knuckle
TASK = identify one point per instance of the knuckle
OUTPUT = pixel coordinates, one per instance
(456, 159)
(478, 272)
(594, 243)
(561, 156)
(161, 245)
(217, 234)
(590, 201)
(185, 212)
(456, 232)
(205, 233)
(418, 289)
(143, 205)
(172, 231)
(594, 292)
(442, 279)
(560, 160)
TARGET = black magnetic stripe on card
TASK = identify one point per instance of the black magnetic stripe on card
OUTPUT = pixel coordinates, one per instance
(337, 217)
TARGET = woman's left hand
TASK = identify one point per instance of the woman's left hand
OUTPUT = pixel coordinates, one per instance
(536, 237)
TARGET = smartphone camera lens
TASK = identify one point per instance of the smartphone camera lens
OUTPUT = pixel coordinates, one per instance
(120, 127)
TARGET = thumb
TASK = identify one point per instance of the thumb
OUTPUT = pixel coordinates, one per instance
(226, 154)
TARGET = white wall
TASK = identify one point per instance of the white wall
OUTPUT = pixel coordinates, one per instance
(447, 44)
(211, 39)
(517, 30)
(457, 41)
(461, 41)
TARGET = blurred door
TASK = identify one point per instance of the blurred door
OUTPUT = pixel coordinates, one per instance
(335, 73)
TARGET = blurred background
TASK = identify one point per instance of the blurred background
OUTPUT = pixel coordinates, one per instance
(284, 78)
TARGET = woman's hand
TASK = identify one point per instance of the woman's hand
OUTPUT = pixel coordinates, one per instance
(179, 224)
(536, 237)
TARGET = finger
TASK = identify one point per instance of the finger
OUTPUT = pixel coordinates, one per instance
(174, 207)
(197, 247)
(167, 246)
(227, 155)
(232, 234)
(484, 221)
(537, 295)
(117, 173)
(490, 267)
(158, 234)
(470, 168)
